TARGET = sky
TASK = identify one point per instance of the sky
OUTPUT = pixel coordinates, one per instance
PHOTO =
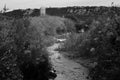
(23, 4)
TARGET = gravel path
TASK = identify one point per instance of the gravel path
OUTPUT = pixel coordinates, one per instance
(66, 69)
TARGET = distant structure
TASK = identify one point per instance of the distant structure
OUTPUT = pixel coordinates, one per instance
(42, 11)
(5, 8)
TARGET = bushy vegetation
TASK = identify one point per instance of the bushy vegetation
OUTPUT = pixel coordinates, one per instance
(101, 42)
(22, 54)
(105, 40)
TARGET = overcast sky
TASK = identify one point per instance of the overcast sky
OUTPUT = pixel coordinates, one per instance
(22, 4)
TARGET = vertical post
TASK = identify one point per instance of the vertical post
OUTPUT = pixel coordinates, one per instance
(42, 11)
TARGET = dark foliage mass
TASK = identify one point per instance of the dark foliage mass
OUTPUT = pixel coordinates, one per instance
(22, 54)
(106, 39)
(107, 49)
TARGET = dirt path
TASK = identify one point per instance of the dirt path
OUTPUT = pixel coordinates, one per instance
(66, 69)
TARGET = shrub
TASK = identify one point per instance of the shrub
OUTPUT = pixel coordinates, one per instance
(22, 54)
(108, 67)
(69, 25)
(8, 57)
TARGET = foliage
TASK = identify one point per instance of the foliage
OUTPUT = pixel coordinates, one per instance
(108, 51)
(8, 57)
(22, 54)
(101, 41)
(69, 26)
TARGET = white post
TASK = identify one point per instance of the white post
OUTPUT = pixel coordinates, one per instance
(42, 11)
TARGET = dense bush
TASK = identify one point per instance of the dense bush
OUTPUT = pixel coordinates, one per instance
(8, 56)
(22, 54)
(108, 50)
